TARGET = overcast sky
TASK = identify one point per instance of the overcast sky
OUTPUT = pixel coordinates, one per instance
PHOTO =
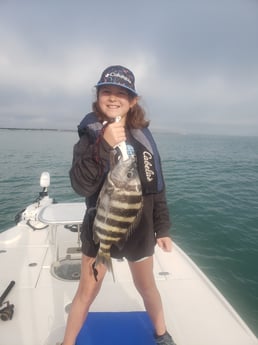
(195, 62)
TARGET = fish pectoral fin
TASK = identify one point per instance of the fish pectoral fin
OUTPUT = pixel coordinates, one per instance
(130, 231)
(134, 224)
(120, 244)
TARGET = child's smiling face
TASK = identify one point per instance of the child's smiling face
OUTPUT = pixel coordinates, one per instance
(115, 101)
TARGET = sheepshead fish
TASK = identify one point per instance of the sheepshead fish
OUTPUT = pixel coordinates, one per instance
(118, 209)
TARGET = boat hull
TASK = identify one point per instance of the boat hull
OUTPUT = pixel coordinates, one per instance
(196, 312)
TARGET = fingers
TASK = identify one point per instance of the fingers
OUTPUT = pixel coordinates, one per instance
(114, 134)
(165, 243)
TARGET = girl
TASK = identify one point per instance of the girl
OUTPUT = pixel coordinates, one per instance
(116, 96)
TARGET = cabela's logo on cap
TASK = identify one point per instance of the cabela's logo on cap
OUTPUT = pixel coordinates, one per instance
(119, 76)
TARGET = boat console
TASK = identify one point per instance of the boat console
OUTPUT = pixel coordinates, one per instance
(69, 215)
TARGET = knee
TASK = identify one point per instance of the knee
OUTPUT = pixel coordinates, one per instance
(87, 291)
(145, 289)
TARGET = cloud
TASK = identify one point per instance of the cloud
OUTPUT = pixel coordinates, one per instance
(195, 64)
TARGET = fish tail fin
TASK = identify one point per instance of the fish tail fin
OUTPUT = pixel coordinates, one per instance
(104, 259)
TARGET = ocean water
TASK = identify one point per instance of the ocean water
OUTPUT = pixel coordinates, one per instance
(212, 193)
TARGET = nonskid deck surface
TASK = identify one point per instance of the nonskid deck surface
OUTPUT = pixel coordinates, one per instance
(196, 313)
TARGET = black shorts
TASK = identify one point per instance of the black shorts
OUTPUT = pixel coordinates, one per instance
(139, 245)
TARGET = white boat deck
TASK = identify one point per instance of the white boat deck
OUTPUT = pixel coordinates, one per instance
(196, 313)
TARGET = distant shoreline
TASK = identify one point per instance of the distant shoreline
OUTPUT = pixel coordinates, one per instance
(38, 129)
(154, 131)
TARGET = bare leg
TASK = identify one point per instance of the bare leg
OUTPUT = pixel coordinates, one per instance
(144, 281)
(87, 291)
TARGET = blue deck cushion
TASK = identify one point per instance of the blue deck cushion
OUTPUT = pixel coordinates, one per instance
(117, 328)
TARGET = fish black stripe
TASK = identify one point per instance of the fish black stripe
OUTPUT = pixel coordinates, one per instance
(114, 224)
(109, 242)
(127, 198)
(123, 210)
(109, 233)
(115, 212)
(125, 213)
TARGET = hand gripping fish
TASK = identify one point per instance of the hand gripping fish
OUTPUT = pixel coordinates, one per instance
(119, 207)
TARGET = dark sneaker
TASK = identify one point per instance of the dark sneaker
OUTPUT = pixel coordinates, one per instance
(164, 339)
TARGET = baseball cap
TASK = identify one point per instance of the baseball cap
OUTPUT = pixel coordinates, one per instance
(119, 76)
